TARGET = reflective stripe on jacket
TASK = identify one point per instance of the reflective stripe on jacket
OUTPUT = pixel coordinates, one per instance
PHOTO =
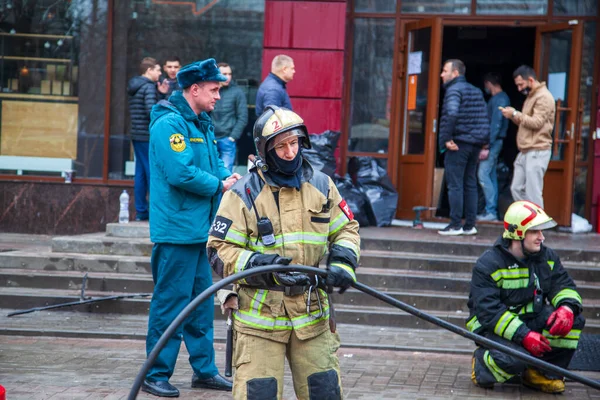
(306, 223)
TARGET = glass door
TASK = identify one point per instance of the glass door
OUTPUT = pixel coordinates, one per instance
(421, 86)
(558, 63)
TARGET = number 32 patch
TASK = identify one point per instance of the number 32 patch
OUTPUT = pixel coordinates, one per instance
(220, 227)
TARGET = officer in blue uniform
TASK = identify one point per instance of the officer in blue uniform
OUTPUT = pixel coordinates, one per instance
(187, 180)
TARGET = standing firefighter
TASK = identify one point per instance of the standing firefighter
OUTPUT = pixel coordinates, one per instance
(522, 297)
(288, 214)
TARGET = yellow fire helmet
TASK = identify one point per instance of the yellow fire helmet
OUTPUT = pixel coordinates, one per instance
(522, 216)
(273, 122)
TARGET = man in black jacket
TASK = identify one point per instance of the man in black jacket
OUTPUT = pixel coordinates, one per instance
(464, 132)
(143, 95)
(229, 116)
(522, 297)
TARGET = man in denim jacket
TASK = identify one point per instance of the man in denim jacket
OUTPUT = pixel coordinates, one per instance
(488, 179)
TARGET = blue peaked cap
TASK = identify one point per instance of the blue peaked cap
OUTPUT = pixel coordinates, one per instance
(200, 71)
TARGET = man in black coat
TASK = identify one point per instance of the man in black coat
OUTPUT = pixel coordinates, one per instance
(464, 132)
(143, 95)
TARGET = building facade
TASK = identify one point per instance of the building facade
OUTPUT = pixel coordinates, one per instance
(369, 68)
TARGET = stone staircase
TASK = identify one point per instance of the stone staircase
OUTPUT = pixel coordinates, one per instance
(417, 267)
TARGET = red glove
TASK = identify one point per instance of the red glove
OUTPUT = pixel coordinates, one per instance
(536, 344)
(560, 321)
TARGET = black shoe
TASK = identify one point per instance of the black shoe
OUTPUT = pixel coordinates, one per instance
(217, 382)
(160, 388)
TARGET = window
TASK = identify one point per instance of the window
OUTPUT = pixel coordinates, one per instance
(579, 7)
(230, 31)
(373, 55)
(51, 91)
(382, 6)
(416, 86)
(512, 7)
(436, 6)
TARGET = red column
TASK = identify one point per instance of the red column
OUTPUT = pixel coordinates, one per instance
(312, 33)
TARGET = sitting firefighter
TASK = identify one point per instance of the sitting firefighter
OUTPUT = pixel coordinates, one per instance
(280, 213)
(522, 297)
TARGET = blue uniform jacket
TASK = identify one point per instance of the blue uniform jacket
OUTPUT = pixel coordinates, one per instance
(272, 92)
(185, 173)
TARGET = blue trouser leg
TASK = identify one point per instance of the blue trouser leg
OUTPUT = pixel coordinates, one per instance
(227, 150)
(198, 329)
(141, 181)
(461, 178)
(488, 178)
(180, 272)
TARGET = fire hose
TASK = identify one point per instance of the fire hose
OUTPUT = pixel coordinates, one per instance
(536, 362)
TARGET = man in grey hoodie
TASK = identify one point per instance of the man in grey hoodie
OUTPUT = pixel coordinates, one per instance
(230, 117)
(143, 95)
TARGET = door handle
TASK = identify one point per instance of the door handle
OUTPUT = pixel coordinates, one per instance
(572, 131)
(434, 125)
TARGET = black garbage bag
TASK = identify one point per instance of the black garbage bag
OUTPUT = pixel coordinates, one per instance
(356, 200)
(373, 180)
(504, 195)
(321, 155)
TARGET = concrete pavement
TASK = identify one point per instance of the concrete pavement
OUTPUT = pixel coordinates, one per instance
(76, 369)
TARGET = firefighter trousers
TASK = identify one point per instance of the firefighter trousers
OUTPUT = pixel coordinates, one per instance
(259, 364)
(493, 366)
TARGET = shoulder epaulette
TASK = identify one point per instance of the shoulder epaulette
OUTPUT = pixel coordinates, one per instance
(320, 181)
(250, 181)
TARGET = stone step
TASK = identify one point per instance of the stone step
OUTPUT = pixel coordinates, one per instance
(106, 283)
(379, 316)
(437, 286)
(378, 240)
(432, 300)
(472, 246)
(447, 282)
(62, 323)
(133, 229)
(378, 268)
(20, 299)
(400, 260)
(55, 261)
(73, 280)
(99, 243)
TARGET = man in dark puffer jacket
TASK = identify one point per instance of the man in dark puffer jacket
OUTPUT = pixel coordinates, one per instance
(464, 132)
(143, 95)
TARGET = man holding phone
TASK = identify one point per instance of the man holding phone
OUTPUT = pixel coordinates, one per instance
(534, 137)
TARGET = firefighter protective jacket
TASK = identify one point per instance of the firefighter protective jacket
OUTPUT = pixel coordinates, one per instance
(503, 290)
(306, 223)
